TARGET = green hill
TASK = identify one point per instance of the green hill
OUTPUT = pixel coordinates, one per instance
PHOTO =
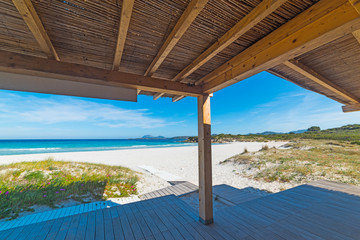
(345, 133)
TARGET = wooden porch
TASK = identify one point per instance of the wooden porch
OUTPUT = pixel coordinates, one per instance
(319, 210)
(176, 49)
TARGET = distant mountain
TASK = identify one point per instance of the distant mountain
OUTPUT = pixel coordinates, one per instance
(274, 133)
(162, 137)
(299, 131)
(153, 137)
(268, 133)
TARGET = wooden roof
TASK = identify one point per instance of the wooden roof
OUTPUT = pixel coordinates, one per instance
(177, 48)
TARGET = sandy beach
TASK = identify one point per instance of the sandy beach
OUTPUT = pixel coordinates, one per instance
(158, 165)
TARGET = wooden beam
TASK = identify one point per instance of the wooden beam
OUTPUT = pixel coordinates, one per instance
(177, 98)
(351, 108)
(27, 11)
(205, 165)
(126, 11)
(356, 5)
(260, 12)
(321, 80)
(320, 24)
(28, 83)
(29, 65)
(158, 95)
(186, 19)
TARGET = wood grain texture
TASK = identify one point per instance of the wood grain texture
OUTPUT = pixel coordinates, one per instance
(27, 65)
(314, 76)
(205, 162)
(332, 26)
(318, 210)
(322, 23)
(260, 12)
(186, 19)
(351, 108)
(356, 34)
(356, 5)
(31, 18)
(126, 11)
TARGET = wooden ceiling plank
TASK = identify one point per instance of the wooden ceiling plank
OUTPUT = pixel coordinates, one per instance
(351, 108)
(268, 52)
(29, 65)
(264, 9)
(32, 20)
(177, 98)
(321, 80)
(186, 19)
(126, 11)
(158, 95)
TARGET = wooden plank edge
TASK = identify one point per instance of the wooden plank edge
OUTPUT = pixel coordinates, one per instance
(351, 108)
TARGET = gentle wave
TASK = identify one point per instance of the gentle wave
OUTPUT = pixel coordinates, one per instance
(28, 149)
(19, 146)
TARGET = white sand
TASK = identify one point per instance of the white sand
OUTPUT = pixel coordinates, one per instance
(178, 161)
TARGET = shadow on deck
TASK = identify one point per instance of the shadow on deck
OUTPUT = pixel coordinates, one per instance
(320, 210)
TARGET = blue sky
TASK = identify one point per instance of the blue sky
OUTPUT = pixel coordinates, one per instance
(261, 103)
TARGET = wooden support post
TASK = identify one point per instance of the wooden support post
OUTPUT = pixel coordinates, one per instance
(205, 168)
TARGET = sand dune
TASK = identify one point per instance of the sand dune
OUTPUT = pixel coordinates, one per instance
(178, 162)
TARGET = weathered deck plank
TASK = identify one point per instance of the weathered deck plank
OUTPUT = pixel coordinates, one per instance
(73, 228)
(304, 212)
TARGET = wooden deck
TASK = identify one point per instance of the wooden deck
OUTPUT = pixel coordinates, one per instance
(322, 210)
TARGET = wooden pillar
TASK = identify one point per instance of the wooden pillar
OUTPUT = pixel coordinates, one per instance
(205, 168)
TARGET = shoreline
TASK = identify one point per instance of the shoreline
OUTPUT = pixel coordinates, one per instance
(180, 161)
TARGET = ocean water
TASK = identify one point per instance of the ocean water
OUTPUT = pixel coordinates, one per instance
(15, 147)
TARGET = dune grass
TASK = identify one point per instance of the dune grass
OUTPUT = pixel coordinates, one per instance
(303, 161)
(25, 184)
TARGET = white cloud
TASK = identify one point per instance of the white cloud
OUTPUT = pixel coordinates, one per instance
(58, 109)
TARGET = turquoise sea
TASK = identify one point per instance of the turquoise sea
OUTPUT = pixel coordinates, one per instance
(14, 147)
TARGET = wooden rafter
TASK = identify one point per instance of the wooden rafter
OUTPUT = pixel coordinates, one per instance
(260, 12)
(158, 95)
(329, 20)
(27, 11)
(351, 108)
(321, 80)
(186, 19)
(177, 98)
(305, 18)
(126, 11)
(29, 65)
(356, 5)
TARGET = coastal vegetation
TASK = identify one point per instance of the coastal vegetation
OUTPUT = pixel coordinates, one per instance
(332, 154)
(348, 133)
(52, 183)
(302, 161)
